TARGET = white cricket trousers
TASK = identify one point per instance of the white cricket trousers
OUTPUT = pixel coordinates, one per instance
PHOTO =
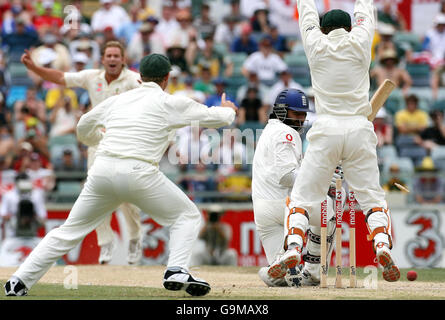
(110, 182)
(104, 232)
(331, 139)
(269, 218)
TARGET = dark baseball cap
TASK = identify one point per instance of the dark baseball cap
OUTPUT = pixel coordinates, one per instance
(154, 65)
(336, 18)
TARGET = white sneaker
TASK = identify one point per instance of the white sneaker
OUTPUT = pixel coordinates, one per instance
(290, 259)
(106, 253)
(309, 280)
(134, 251)
(391, 272)
(15, 287)
(271, 282)
(176, 278)
(294, 277)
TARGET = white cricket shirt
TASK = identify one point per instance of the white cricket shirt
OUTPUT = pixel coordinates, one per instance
(93, 80)
(139, 122)
(339, 62)
(278, 152)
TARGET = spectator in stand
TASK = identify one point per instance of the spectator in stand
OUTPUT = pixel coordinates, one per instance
(252, 108)
(279, 42)
(215, 99)
(47, 20)
(190, 92)
(437, 81)
(62, 60)
(285, 81)
(282, 14)
(265, 63)
(86, 45)
(168, 25)
(186, 33)
(428, 186)
(245, 42)
(210, 56)
(22, 159)
(260, 20)
(143, 43)
(198, 180)
(389, 14)
(411, 120)
(127, 30)
(237, 185)
(434, 135)
(109, 15)
(108, 35)
(176, 55)
(386, 42)
(7, 143)
(17, 41)
(252, 81)
(63, 117)
(203, 23)
(67, 162)
(388, 69)
(35, 107)
(383, 129)
(43, 179)
(227, 31)
(5, 113)
(204, 82)
(17, 9)
(235, 11)
(23, 208)
(175, 83)
(434, 40)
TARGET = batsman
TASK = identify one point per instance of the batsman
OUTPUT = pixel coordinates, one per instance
(339, 57)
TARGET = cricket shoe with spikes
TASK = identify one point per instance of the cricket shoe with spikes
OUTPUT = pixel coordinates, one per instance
(309, 280)
(391, 272)
(15, 287)
(294, 277)
(269, 281)
(290, 259)
(177, 278)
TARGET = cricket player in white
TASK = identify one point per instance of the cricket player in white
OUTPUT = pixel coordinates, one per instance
(339, 57)
(277, 158)
(126, 170)
(102, 84)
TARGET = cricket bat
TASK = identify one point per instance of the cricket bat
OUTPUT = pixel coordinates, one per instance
(380, 96)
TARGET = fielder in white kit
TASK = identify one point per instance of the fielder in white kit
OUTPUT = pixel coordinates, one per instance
(339, 58)
(102, 84)
(126, 170)
(277, 159)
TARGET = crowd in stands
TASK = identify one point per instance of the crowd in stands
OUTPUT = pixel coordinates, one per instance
(251, 52)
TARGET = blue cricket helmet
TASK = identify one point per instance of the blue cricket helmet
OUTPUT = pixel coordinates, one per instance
(291, 99)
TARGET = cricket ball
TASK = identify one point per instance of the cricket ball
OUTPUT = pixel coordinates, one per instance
(411, 275)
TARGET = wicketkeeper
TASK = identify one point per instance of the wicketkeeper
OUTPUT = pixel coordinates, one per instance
(126, 169)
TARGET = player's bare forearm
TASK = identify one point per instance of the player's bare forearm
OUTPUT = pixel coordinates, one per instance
(52, 75)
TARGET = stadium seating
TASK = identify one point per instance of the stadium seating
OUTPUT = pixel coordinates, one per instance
(67, 191)
(420, 74)
(387, 152)
(299, 68)
(60, 143)
(438, 157)
(411, 39)
(395, 102)
(409, 149)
